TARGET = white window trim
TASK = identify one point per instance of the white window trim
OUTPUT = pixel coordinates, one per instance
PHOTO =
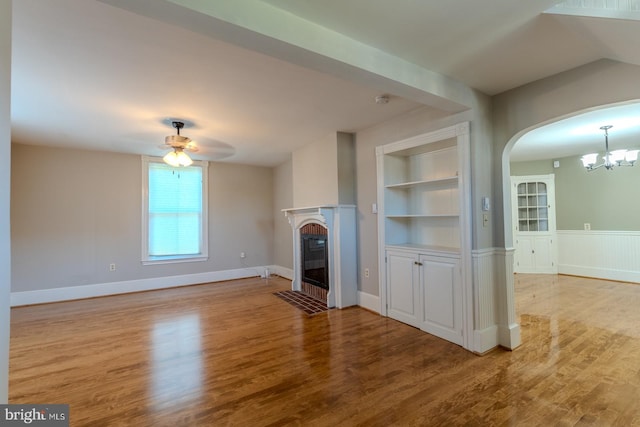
(204, 243)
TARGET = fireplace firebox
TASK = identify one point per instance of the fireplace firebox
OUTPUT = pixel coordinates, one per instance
(315, 259)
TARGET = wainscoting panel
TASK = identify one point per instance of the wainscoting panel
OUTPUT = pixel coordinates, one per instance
(612, 255)
(484, 291)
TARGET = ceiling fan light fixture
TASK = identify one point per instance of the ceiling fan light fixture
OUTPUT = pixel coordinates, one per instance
(177, 157)
(183, 158)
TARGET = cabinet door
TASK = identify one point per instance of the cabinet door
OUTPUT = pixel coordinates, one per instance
(534, 254)
(543, 255)
(441, 294)
(403, 301)
(523, 257)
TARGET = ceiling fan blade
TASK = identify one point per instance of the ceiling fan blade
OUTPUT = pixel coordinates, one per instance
(192, 146)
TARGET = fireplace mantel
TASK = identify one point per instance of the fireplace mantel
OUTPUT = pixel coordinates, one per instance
(340, 221)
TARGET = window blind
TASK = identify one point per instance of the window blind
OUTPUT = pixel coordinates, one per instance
(175, 210)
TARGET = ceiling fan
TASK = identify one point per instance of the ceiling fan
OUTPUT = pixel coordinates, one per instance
(179, 143)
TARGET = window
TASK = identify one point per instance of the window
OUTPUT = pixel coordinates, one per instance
(174, 224)
(533, 212)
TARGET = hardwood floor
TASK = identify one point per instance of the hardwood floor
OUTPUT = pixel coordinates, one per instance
(234, 354)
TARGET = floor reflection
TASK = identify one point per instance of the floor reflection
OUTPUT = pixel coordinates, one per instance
(595, 303)
(176, 363)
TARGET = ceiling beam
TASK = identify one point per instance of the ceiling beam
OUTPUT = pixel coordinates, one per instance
(261, 27)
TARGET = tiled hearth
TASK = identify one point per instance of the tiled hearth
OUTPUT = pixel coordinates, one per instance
(304, 302)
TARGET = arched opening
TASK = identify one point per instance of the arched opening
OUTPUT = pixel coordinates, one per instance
(597, 227)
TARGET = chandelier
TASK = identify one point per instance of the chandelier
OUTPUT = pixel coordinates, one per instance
(610, 158)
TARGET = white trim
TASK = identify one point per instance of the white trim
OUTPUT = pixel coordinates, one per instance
(368, 301)
(600, 273)
(485, 339)
(128, 286)
(609, 255)
(146, 259)
(508, 328)
(600, 232)
(278, 270)
(509, 336)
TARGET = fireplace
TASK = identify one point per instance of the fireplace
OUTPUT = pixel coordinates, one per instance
(324, 264)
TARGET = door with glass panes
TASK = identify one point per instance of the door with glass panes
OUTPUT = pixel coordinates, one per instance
(534, 222)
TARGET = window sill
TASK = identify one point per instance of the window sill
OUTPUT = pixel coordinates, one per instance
(173, 259)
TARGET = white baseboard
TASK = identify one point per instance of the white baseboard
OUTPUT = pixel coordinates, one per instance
(287, 273)
(600, 273)
(368, 301)
(485, 339)
(509, 336)
(128, 286)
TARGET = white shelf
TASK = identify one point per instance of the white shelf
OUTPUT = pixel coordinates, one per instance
(401, 216)
(415, 247)
(447, 181)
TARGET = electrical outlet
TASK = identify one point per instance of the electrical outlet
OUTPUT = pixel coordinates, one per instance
(587, 226)
(112, 267)
(243, 255)
(366, 273)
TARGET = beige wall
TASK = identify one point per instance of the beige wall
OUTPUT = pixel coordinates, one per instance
(517, 111)
(536, 167)
(605, 199)
(283, 199)
(315, 173)
(323, 172)
(74, 212)
(346, 163)
(5, 165)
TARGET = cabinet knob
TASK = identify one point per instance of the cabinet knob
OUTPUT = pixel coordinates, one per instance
(417, 263)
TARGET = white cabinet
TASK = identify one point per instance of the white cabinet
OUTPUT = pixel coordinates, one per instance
(424, 232)
(533, 202)
(534, 254)
(425, 292)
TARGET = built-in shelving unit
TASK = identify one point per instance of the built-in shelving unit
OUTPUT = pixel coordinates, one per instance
(424, 231)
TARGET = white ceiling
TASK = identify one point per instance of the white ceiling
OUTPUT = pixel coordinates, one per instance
(91, 75)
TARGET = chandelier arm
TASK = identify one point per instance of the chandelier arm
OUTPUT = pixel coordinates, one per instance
(592, 168)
